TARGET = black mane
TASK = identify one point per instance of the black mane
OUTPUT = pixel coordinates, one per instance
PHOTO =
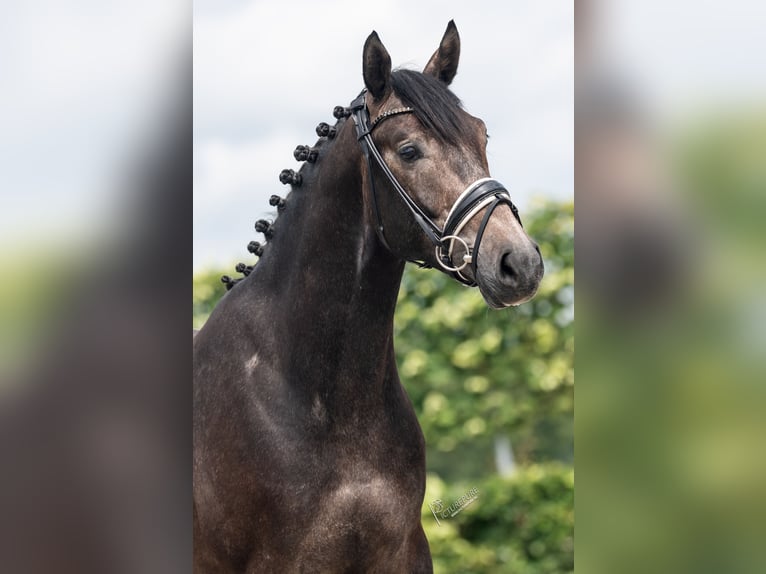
(436, 107)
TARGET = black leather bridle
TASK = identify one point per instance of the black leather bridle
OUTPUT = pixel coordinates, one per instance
(484, 193)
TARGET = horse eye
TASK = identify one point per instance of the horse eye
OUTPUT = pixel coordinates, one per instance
(409, 152)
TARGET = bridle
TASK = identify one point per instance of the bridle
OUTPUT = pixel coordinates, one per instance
(484, 193)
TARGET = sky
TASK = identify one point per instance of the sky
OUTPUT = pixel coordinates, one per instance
(266, 73)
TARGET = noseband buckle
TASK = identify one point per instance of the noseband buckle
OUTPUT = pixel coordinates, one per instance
(445, 259)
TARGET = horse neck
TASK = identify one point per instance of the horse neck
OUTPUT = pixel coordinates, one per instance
(329, 275)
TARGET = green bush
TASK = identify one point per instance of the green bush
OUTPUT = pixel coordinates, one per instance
(523, 524)
(207, 290)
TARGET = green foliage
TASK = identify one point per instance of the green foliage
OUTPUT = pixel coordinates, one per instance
(523, 524)
(208, 289)
(474, 374)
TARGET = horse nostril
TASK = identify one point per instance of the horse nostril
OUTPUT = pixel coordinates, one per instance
(506, 269)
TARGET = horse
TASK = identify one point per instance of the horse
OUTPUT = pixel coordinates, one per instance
(308, 456)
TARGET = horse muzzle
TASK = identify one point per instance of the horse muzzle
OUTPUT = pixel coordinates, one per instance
(508, 267)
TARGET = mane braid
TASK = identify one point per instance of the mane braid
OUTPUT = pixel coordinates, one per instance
(436, 107)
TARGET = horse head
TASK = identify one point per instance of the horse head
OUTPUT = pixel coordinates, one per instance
(427, 187)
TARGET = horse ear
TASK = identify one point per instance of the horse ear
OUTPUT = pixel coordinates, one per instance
(376, 67)
(443, 64)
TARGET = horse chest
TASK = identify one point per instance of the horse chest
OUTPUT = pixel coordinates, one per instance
(379, 503)
(366, 520)
(359, 488)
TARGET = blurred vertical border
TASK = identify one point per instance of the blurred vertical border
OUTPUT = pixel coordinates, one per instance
(670, 197)
(96, 179)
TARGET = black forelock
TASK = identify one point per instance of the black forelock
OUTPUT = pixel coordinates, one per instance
(436, 107)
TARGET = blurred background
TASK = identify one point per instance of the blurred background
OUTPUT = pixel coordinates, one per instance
(670, 193)
(95, 230)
